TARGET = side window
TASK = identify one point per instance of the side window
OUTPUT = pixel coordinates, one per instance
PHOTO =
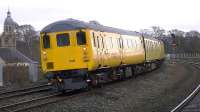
(127, 43)
(122, 42)
(94, 42)
(118, 42)
(111, 42)
(132, 43)
(102, 42)
(136, 44)
(63, 39)
(152, 44)
(46, 41)
(98, 42)
(114, 42)
(148, 46)
(81, 38)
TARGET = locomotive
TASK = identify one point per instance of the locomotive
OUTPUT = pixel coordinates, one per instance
(77, 54)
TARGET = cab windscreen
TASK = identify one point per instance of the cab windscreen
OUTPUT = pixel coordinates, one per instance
(63, 39)
(81, 38)
(46, 41)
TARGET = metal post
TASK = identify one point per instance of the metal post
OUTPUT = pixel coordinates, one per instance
(1, 74)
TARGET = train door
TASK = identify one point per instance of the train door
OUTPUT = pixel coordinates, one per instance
(100, 50)
(107, 59)
(96, 48)
(102, 57)
(121, 48)
(103, 50)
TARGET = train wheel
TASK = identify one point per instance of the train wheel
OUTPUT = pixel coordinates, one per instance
(122, 74)
(87, 88)
(128, 72)
(60, 87)
(96, 82)
(133, 69)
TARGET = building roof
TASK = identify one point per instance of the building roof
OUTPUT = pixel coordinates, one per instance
(72, 24)
(9, 21)
(11, 55)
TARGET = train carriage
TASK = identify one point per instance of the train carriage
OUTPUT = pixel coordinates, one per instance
(72, 49)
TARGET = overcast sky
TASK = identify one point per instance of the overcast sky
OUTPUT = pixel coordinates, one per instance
(126, 14)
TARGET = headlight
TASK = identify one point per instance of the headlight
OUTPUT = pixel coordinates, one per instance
(84, 48)
(44, 53)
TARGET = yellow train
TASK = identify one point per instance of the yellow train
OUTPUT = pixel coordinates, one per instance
(75, 54)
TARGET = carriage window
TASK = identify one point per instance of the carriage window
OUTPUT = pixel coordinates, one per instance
(136, 44)
(94, 39)
(81, 38)
(127, 43)
(122, 43)
(102, 42)
(130, 43)
(63, 39)
(98, 44)
(118, 41)
(46, 41)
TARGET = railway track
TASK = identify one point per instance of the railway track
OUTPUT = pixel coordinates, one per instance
(23, 105)
(40, 101)
(49, 98)
(187, 100)
(41, 95)
(24, 91)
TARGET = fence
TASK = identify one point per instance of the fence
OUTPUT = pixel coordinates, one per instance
(18, 73)
(183, 55)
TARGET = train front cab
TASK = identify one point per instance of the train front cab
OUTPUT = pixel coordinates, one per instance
(65, 56)
(65, 50)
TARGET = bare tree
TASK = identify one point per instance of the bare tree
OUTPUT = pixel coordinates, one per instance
(158, 31)
(146, 32)
(193, 41)
(27, 34)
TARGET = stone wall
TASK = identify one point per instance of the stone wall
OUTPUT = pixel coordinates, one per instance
(13, 74)
(19, 74)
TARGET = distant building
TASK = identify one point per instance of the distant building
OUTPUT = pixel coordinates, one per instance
(15, 66)
(7, 39)
(8, 51)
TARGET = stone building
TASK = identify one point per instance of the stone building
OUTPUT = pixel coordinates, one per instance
(15, 67)
(8, 39)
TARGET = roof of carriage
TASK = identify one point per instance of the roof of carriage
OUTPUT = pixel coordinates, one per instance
(73, 24)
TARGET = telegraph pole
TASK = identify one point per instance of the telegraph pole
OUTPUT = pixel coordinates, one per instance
(173, 46)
